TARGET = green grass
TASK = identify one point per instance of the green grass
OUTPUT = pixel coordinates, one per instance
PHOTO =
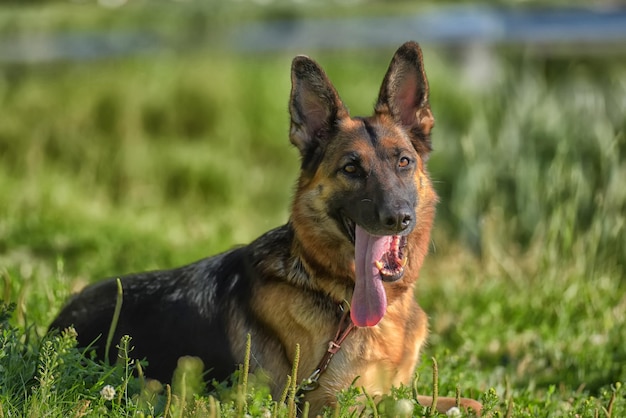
(123, 165)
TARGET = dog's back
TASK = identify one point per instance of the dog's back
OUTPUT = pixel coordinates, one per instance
(168, 314)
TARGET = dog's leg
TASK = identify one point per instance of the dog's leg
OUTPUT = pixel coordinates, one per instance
(444, 404)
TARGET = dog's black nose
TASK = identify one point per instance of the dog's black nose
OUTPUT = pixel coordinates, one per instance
(398, 221)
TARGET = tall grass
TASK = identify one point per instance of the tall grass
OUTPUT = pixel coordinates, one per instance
(148, 162)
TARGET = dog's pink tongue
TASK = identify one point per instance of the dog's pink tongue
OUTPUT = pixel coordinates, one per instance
(369, 301)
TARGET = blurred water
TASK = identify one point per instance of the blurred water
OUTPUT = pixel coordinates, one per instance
(580, 29)
(452, 25)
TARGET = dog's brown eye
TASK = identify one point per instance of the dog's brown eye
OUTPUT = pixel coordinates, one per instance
(404, 161)
(349, 168)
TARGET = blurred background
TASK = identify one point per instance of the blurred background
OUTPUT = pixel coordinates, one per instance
(140, 134)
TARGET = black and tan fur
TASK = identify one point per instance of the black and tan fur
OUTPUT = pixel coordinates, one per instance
(288, 286)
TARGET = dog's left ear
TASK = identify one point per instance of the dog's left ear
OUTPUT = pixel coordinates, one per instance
(404, 95)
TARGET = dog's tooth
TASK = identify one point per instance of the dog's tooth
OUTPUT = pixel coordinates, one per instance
(379, 265)
(404, 261)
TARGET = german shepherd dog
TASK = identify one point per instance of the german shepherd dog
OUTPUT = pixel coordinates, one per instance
(356, 239)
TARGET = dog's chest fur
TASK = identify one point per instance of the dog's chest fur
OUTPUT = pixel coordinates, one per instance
(375, 359)
(378, 357)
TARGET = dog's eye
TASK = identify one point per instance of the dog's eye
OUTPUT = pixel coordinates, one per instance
(350, 168)
(404, 162)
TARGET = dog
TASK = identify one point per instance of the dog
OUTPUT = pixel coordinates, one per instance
(345, 264)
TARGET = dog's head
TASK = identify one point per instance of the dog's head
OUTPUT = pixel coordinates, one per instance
(364, 192)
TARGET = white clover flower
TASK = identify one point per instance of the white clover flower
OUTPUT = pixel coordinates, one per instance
(108, 392)
(453, 412)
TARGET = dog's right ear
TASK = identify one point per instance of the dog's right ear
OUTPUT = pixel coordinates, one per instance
(314, 105)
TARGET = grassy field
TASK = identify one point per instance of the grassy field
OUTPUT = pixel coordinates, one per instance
(153, 161)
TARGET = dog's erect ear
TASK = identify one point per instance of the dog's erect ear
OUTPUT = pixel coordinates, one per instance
(404, 95)
(314, 105)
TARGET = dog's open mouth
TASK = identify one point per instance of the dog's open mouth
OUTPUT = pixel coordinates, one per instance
(392, 262)
(377, 259)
